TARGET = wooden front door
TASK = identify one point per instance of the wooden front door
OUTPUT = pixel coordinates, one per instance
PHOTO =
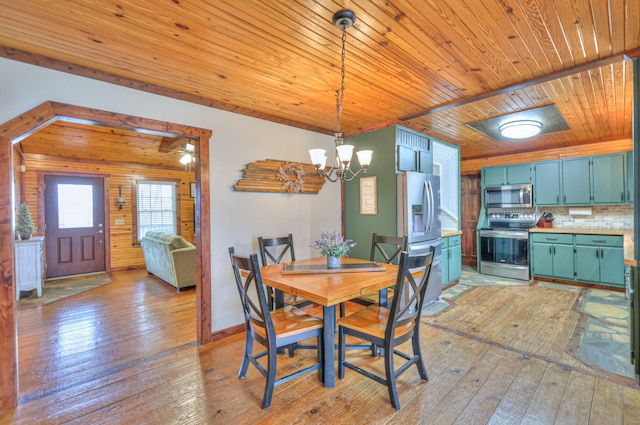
(74, 218)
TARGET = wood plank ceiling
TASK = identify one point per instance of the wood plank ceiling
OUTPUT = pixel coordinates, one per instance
(431, 65)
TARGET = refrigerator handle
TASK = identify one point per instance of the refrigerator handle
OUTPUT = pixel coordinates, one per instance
(432, 207)
(427, 207)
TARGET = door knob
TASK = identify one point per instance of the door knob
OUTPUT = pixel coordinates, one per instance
(100, 231)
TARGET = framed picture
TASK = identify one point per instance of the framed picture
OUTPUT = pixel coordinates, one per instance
(193, 189)
(368, 196)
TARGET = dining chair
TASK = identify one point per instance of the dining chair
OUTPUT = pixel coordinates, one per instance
(274, 251)
(390, 327)
(271, 328)
(387, 247)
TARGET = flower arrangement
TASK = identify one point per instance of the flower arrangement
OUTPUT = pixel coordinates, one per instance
(333, 245)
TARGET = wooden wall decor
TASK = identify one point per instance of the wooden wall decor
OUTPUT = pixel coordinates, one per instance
(272, 175)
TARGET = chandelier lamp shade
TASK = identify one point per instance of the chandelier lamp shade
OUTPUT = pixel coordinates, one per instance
(341, 167)
(521, 129)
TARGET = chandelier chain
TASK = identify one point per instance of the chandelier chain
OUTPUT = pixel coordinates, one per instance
(340, 92)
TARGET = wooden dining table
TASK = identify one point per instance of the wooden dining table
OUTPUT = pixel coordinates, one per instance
(328, 288)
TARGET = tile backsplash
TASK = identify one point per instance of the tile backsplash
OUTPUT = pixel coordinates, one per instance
(617, 217)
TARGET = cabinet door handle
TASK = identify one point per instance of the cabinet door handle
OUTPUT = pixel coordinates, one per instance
(550, 253)
(601, 252)
(552, 239)
(622, 196)
(597, 254)
(564, 198)
(557, 199)
(598, 241)
(554, 250)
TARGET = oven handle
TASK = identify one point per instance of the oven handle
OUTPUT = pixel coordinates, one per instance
(505, 234)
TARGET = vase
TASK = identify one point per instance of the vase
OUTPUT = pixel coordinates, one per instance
(25, 236)
(333, 262)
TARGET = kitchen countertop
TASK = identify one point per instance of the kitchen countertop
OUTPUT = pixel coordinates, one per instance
(629, 258)
(447, 233)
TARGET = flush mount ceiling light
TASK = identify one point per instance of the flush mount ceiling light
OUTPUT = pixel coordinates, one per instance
(343, 153)
(520, 129)
(542, 120)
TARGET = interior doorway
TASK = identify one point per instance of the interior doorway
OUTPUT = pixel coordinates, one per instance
(75, 225)
(41, 116)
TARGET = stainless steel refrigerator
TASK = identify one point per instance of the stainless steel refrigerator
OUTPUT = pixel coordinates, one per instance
(419, 218)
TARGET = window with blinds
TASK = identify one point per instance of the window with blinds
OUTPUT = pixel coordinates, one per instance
(156, 207)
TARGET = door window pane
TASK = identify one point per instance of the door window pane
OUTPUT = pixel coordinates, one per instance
(156, 208)
(75, 206)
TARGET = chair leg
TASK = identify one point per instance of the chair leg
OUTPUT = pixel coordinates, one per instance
(391, 378)
(341, 352)
(292, 349)
(271, 375)
(374, 350)
(415, 343)
(248, 349)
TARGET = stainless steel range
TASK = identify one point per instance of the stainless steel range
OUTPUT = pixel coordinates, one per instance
(504, 247)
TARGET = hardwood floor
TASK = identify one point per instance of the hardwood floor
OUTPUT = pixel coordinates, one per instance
(126, 353)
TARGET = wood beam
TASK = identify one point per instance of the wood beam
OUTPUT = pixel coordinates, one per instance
(531, 82)
(167, 144)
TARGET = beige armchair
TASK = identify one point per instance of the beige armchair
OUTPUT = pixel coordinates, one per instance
(170, 258)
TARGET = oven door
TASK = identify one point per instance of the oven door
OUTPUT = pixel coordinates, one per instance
(505, 253)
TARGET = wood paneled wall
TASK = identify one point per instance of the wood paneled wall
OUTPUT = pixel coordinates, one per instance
(124, 254)
(474, 166)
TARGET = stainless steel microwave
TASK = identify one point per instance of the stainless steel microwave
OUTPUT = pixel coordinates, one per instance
(517, 196)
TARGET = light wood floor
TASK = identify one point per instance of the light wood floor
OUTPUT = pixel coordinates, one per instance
(125, 353)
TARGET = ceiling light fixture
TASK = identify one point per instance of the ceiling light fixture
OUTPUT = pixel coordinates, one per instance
(520, 129)
(341, 166)
(189, 155)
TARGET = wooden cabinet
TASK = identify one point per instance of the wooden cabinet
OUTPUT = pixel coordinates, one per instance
(576, 181)
(600, 259)
(594, 180)
(552, 255)
(451, 259)
(629, 177)
(413, 151)
(506, 175)
(578, 257)
(29, 265)
(546, 183)
(470, 212)
(609, 179)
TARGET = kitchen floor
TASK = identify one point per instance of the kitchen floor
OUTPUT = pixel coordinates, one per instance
(604, 324)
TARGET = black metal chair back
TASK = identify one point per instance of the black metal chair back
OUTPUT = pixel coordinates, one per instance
(275, 249)
(394, 246)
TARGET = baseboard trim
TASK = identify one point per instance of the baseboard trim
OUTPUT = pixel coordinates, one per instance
(225, 333)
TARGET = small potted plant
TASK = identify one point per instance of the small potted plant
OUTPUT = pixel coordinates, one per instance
(24, 222)
(334, 246)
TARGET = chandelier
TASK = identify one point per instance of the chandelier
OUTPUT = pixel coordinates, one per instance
(341, 170)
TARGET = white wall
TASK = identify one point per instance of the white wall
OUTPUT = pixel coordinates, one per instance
(238, 218)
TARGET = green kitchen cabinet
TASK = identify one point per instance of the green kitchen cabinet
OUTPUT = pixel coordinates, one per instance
(609, 179)
(552, 255)
(413, 151)
(451, 259)
(546, 183)
(576, 181)
(506, 175)
(600, 259)
(629, 177)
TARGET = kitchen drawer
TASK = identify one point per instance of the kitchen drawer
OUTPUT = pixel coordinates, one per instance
(551, 238)
(600, 240)
(445, 243)
(454, 240)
